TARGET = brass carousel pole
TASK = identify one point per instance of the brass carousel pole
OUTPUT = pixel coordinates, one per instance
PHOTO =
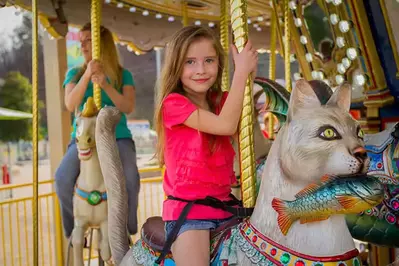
(35, 133)
(238, 11)
(224, 39)
(272, 66)
(185, 13)
(287, 63)
(95, 42)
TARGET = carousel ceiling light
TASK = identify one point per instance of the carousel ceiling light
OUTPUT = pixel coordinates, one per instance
(132, 9)
(171, 19)
(341, 69)
(334, 19)
(158, 16)
(260, 18)
(107, 1)
(320, 75)
(119, 5)
(303, 39)
(337, 2)
(297, 76)
(292, 5)
(249, 21)
(268, 23)
(211, 24)
(130, 49)
(360, 80)
(346, 62)
(197, 22)
(292, 58)
(256, 25)
(309, 57)
(352, 53)
(340, 42)
(298, 22)
(259, 29)
(339, 79)
(344, 26)
(146, 13)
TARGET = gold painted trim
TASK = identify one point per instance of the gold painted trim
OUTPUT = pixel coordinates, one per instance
(390, 35)
(363, 28)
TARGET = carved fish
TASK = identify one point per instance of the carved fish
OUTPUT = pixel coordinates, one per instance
(334, 195)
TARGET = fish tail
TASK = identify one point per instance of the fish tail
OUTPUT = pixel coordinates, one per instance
(284, 218)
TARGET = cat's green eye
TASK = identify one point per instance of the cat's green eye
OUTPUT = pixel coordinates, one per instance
(360, 133)
(329, 133)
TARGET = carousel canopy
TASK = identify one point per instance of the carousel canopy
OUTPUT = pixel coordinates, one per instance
(147, 24)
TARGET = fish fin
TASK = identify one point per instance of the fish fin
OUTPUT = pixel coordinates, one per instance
(284, 218)
(347, 202)
(311, 219)
(307, 190)
(326, 179)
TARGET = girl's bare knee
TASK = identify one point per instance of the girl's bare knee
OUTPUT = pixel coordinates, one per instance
(192, 248)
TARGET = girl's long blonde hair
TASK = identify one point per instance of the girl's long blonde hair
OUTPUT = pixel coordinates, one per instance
(176, 51)
(109, 57)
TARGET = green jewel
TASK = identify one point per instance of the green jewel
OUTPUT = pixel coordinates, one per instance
(94, 198)
(356, 262)
(318, 264)
(285, 258)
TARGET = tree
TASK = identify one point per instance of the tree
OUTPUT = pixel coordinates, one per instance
(16, 93)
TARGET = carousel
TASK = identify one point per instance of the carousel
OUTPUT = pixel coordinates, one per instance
(347, 53)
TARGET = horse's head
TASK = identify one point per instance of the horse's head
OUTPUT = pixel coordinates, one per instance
(85, 130)
(320, 136)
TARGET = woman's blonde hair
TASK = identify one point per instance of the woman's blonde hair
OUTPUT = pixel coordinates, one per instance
(175, 57)
(109, 57)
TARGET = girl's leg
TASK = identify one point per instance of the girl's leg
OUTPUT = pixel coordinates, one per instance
(127, 153)
(65, 179)
(192, 248)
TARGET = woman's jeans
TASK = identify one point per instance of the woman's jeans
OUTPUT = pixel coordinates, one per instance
(68, 172)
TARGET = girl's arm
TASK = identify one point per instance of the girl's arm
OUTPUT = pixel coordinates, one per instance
(227, 121)
(74, 93)
(125, 101)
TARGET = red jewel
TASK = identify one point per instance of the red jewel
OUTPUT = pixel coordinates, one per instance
(341, 264)
(299, 263)
(273, 252)
(379, 165)
(391, 218)
(395, 204)
(254, 238)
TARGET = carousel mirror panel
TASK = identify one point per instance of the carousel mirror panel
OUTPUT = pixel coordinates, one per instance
(331, 35)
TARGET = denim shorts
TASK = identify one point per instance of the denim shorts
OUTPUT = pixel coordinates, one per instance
(195, 225)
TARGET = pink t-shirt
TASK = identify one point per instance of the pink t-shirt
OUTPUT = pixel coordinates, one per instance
(192, 170)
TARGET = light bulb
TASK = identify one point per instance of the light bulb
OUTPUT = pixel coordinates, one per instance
(334, 19)
(303, 39)
(351, 53)
(309, 57)
(344, 26)
(298, 22)
(341, 69)
(346, 62)
(340, 42)
(339, 79)
(132, 9)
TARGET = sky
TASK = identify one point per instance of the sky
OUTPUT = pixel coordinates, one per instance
(9, 21)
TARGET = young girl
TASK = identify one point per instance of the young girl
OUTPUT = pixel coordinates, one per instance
(117, 89)
(195, 122)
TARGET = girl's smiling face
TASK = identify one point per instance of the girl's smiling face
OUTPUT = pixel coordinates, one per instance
(200, 69)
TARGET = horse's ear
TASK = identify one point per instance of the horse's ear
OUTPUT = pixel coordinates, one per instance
(302, 97)
(342, 97)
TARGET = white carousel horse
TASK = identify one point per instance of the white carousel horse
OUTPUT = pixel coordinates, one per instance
(90, 200)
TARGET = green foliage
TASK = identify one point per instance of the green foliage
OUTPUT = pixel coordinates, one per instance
(16, 94)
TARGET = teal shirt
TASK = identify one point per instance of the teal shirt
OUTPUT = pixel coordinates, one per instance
(122, 131)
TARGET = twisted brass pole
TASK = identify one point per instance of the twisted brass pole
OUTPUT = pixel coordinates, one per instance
(238, 10)
(272, 66)
(185, 13)
(35, 132)
(224, 39)
(287, 62)
(95, 43)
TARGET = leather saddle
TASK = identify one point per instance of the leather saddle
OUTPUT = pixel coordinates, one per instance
(153, 231)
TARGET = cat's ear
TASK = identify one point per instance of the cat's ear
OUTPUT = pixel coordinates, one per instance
(342, 97)
(302, 96)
